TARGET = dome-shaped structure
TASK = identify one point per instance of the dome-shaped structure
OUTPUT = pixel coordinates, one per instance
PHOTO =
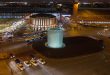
(43, 21)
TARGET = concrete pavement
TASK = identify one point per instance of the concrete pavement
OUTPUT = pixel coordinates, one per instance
(93, 64)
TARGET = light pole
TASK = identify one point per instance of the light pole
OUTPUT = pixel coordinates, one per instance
(75, 8)
(59, 8)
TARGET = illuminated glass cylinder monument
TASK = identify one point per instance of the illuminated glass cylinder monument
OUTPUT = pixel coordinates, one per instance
(55, 38)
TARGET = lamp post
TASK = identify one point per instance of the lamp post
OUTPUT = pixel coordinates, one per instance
(75, 8)
(59, 8)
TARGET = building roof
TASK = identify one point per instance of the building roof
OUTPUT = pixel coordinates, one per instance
(43, 15)
(94, 15)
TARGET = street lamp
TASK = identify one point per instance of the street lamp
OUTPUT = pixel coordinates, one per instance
(75, 8)
(59, 8)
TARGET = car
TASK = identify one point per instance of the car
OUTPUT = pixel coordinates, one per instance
(12, 56)
(19, 64)
(32, 56)
(27, 63)
(33, 62)
(41, 61)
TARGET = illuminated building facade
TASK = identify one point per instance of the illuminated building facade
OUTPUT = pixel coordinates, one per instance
(43, 21)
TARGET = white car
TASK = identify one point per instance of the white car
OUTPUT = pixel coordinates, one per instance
(41, 61)
(33, 62)
(27, 63)
(19, 64)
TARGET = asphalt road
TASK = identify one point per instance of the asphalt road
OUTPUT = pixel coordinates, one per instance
(93, 64)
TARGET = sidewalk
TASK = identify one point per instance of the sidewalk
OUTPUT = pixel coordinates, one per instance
(4, 69)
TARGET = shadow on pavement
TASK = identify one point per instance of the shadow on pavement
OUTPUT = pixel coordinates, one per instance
(75, 46)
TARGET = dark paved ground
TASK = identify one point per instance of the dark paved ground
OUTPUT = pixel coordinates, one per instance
(93, 64)
(74, 46)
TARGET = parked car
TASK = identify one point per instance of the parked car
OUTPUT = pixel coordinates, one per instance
(33, 62)
(19, 64)
(41, 61)
(27, 63)
(12, 56)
